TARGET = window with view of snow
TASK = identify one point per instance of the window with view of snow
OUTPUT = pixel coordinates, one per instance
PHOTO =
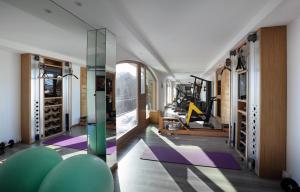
(126, 97)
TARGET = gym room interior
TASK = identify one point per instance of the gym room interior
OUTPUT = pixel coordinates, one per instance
(149, 95)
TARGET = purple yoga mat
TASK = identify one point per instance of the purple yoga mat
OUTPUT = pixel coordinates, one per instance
(79, 143)
(190, 156)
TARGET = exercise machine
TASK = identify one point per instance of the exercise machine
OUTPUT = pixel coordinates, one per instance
(194, 112)
(177, 125)
(182, 98)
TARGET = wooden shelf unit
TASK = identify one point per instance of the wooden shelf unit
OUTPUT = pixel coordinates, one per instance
(53, 104)
(242, 128)
(261, 118)
(37, 108)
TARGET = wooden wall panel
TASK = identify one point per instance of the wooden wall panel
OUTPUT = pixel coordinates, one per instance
(83, 91)
(154, 117)
(142, 123)
(25, 98)
(225, 97)
(273, 98)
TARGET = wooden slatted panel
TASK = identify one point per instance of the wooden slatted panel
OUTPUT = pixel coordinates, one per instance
(25, 98)
(83, 92)
(225, 97)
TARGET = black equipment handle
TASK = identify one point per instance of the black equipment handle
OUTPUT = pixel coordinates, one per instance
(199, 78)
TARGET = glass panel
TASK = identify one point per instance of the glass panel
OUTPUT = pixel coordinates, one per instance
(111, 142)
(91, 55)
(100, 92)
(126, 97)
(169, 92)
(142, 80)
(151, 86)
(100, 56)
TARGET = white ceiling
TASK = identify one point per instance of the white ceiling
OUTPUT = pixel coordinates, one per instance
(49, 34)
(189, 34)
(176, 36)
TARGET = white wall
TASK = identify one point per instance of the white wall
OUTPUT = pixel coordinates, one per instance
(76, 95)
(10, 90)
(293, 101)
(161, 89)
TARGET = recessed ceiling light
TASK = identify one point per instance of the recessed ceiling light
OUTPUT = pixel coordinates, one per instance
(48, 11)
(78, 3)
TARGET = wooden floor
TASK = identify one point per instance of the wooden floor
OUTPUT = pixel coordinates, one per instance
(136, 175)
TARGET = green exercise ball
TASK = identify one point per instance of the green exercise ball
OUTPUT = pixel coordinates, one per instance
(25, 170)
(80, 173)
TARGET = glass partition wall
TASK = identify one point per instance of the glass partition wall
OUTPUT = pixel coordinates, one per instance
(101, 55)
(151, 93)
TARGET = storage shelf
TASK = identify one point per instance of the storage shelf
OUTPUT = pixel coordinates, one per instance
(242, 100)
(49, 65)
(242, 119)
(49, 98)
(240, 153)
(53, 119)
(53, 105)
(242, 142)
(242, 112)
(54, 102)
(52, 112)
(54, 127)
(52, 78)
(243, 132)
(242, 71)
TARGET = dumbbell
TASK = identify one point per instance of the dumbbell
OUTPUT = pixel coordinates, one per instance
(10, 144)
(2, 148)
(289, 185)
(297, 189)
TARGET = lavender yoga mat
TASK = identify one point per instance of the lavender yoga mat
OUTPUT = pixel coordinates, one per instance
(79, 143)
(189, 156)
